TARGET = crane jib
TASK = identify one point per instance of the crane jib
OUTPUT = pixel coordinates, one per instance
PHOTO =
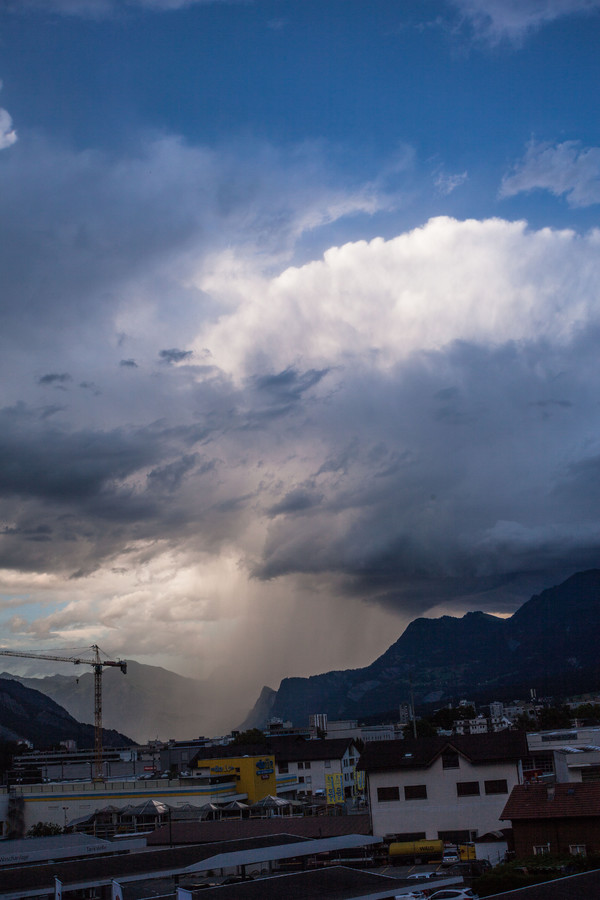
(97, 665)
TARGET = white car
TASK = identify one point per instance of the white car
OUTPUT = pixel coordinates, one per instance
(412, 895)
(421, 876)
(454, 894)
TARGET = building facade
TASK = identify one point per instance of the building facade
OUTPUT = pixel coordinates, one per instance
(451, 788)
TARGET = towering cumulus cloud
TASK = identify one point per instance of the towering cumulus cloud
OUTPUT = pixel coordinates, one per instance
(289, 352)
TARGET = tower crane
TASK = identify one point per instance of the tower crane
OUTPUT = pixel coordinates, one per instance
(97, 664)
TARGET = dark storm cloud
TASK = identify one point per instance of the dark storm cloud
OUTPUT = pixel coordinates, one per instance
(169, 477)
(296, 501)
(55, 378)
(174, 356)
(463, 492)
(271, 397)
(289, 385)
(55, 464)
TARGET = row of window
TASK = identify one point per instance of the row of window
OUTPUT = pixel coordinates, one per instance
(574, 849)
(284, 767)
(463, 789)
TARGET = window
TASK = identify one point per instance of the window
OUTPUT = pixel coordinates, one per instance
(496, 786)
(308, 779)
(450, 759)
(301, 779)
(284, 768)
(540, 849)
(327, 763)
(385, 794)
(307, 765)
(415, 792)
(577, 849)
(467, 789)
(301, 765)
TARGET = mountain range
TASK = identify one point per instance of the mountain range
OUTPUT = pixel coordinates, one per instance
(148, 702)
(549, 644)
(27, 714)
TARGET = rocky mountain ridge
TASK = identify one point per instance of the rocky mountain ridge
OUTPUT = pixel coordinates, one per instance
(550, 644)
(27, 714)
(149, 701)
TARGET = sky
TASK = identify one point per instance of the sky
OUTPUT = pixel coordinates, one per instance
(299, 324)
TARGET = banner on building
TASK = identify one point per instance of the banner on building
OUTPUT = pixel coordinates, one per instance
(359, 781)
(57, 889)
(182, 894)
(117, 891)
(334, 788)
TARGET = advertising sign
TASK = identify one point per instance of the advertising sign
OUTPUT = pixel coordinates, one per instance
(334, 789)
(359, 781)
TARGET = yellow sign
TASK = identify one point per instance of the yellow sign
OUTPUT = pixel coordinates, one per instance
(359, 780)
(334, 789)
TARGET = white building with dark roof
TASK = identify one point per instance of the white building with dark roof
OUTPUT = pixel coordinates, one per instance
(450, 788)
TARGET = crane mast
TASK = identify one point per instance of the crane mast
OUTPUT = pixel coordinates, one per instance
(97, 664)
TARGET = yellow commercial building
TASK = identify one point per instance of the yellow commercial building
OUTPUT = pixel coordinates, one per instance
(254, 775)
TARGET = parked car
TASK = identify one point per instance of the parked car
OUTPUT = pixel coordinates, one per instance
(421, 876)
(412, 895)
(454, 894)
(450, 857)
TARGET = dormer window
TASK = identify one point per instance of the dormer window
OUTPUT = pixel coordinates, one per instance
(450, 759)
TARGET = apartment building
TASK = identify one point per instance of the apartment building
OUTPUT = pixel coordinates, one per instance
(451, 788)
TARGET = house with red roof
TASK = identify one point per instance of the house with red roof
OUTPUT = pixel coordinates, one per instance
(559, 819)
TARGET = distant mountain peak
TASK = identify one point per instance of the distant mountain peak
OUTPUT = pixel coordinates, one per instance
(477, 655)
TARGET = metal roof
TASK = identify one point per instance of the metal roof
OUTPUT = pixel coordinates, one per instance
(302, 848)
(26, 881)
(335, 883)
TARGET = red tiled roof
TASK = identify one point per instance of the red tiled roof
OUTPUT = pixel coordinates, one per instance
(236, 829)
(541, 801)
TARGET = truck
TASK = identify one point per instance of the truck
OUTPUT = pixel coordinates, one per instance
(404, 852)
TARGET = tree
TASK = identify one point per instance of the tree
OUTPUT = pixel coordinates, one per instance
(44, 829)
(446, 717)
(555, 717)
(525, 722)
(252, 736)
(8, 749)
(424, 729)
(589, 712)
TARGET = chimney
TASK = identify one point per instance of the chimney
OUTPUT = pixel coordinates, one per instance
(550, 791)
